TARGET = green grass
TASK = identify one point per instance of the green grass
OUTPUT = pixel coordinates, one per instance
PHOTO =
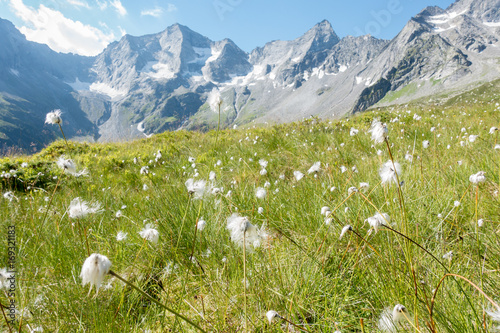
(302, 270)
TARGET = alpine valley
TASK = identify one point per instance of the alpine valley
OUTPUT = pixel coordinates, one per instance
(154, 83)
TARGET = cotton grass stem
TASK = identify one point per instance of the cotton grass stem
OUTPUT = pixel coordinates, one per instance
(466, 280)
(178, 315)
(196, 228)
(64, 136)
(5, 317)
(183, 221)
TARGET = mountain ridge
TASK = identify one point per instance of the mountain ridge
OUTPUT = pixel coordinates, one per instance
(142, 85)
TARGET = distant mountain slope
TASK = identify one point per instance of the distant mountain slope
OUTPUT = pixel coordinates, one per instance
(143, 85)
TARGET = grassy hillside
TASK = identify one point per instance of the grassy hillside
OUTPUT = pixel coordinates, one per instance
(298, 266)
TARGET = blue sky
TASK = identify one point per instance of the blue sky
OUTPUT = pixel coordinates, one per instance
(87, 26)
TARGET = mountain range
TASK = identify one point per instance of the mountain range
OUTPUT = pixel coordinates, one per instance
(143, 85)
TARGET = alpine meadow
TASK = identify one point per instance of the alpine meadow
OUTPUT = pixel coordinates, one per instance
(387, 221)
(167, 181)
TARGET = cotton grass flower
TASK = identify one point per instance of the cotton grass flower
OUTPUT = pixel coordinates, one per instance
(214, 100)
(121, 236)
(344, 230)
(54, 117)
(353, 131)
(364, 186)
(94, 269)
(493, 130)
(478, 178)
(263, 163)
(9, 196)
(390, 172)
(79, 208)
(377, 220)
(352, 190)
(378, 131)
(448, 256)
(497, 146)
(425, 144)
(260, 193)
(201, 224)
(473, 138)
(495, 315)
(298, 175)
(325, 210)
(66, 164)
(314, 168)
(389, 319)
(241, 229)
(271, 315)
(150, 234)
(4, 276)
(198, 188)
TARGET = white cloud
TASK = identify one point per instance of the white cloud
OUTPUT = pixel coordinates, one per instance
(51, 27)
(156, 12)
(171, 8)
(79, 3)
(102, 4)
(117, 4)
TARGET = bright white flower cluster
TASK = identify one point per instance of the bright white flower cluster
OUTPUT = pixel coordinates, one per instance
(54, 117)
(94, 269)
(149, 233)
(378, 131)
(478, 178)
(390, 172)
(214, 100)
(79, 208)
(314, 168)
(69, 166)
(198, 188)
(242, 230)
(377, 220)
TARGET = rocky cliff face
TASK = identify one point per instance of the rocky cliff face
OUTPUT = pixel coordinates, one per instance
(143, 85)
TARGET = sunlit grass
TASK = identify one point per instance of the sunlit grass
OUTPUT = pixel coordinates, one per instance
(301, 270)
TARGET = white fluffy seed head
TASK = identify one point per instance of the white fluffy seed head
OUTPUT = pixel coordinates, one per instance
(149, 233)
(54, 117)
(314, 168)
(344, 230)
(214, 100)
(378, 131)
(94, 269)
(298, 175)
(399, 313)
(478, 178)
(201, 224)
(390, 172)
(79, 208)
(271, 315)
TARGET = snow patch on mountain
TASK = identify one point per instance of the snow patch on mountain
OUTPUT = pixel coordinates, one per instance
(492, 24)
(444, 18)
(158, 70)
(79, 85)
(105, 89)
